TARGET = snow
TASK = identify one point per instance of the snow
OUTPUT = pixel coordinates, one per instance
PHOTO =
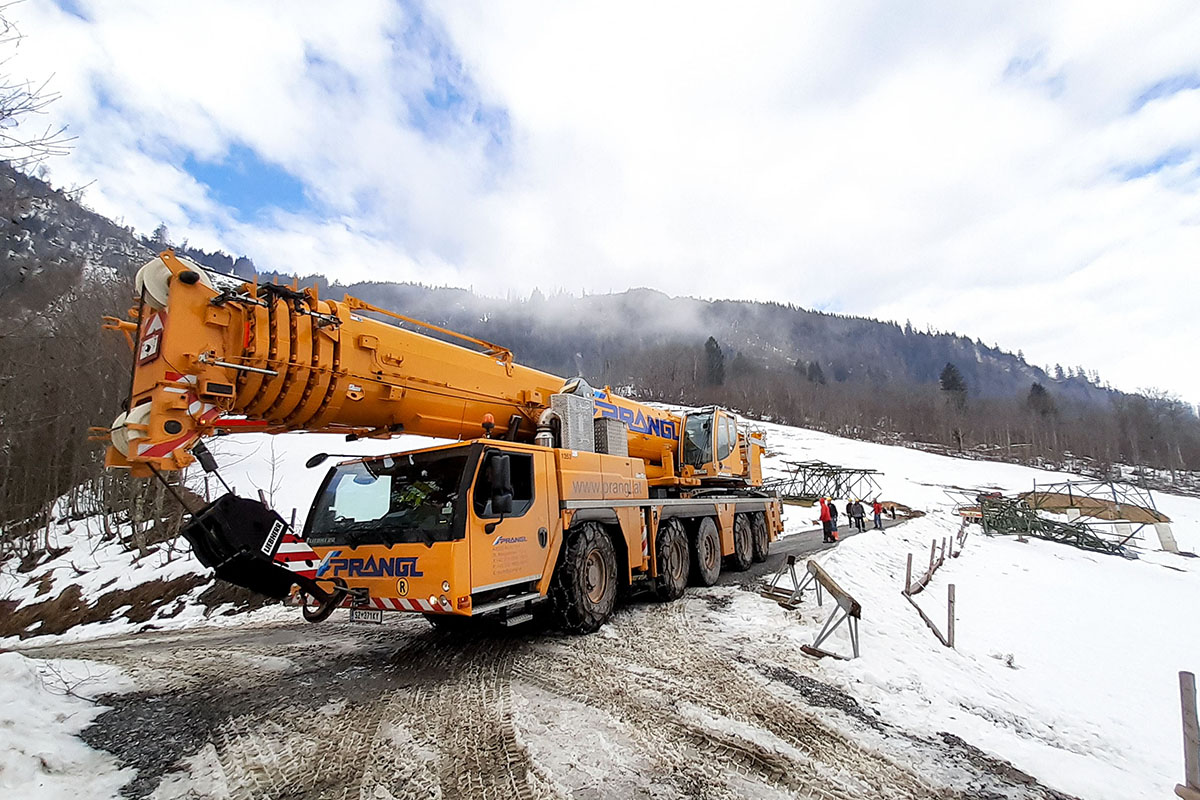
(1066, 661)
(43, 705)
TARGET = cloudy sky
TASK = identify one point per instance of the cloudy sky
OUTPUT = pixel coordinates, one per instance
(1027, 173)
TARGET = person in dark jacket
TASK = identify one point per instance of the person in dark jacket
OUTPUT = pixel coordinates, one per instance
(857, 512)
(833, 514)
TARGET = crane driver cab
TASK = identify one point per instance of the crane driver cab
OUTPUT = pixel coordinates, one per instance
(710, 443)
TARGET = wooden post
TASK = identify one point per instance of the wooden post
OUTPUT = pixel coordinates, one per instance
(950, 616)
(932, 555)
(908, 575)
(1191, 738)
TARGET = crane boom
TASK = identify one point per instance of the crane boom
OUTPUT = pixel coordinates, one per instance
(212, 353)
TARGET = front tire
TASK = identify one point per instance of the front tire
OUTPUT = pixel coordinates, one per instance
(743, 543)
(706, 553)
(673, 559)
(583, 591)
(761, 536)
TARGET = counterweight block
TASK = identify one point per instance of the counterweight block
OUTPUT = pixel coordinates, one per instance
(237, 538)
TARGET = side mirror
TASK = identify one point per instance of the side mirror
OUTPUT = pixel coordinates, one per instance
(502, 490)
(316, 460)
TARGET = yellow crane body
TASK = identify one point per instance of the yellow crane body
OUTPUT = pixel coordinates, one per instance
(496, 523)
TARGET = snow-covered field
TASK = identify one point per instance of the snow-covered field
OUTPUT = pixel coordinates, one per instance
(1065, 662)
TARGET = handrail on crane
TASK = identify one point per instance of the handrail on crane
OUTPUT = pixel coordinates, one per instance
(502, 353)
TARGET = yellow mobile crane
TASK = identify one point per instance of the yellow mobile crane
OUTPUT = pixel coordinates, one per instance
(552, 491)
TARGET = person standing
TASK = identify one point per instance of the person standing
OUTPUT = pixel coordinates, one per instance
(826, 522)
(858, 512)
(850, 512)
(877, 510)
(833, 514)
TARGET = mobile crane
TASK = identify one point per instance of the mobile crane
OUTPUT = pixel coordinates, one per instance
(551, 491)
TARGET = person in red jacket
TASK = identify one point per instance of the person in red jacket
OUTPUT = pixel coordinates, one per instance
(877, 510)
(827, 521)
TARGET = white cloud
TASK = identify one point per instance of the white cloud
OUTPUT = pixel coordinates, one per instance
(958, 166)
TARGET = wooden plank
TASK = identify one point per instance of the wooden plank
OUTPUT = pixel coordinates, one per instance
(928, 621)
(841, 595)
(950, 614)
(817, 652)
(1191, 730)
(908, 576)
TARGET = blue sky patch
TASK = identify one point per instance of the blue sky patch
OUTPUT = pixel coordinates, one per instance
(1165, 88)
(1170, 158)
(74, 8)
(452, 102)
(247, 185)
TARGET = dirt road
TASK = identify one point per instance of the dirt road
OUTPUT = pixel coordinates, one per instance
(697, 698)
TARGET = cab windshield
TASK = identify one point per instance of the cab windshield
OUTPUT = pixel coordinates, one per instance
(408, 497)
(697, 439)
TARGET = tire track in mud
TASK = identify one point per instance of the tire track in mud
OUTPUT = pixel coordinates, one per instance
(659, 681)
(446, 731)
(402, 711)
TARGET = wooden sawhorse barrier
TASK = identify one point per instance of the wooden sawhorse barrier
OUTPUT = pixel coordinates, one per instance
(847, 610)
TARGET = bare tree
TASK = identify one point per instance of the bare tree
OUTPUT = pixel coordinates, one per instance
(23, 141)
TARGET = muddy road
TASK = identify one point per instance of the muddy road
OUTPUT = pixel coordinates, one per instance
(689, 699)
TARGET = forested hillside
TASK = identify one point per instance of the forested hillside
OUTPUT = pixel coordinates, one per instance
(63, 267)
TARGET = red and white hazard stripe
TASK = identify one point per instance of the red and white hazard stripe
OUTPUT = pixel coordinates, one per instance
(295, 554)
(398, 604)
(201, 411)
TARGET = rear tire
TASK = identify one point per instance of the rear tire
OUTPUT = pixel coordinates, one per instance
(583, 590)
(743, 543)
(706, 553)
(762, 536)
(673, 559)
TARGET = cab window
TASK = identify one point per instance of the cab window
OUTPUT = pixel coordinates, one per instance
(726, 438)
(521, 470)
(697, 439)
(723, 446)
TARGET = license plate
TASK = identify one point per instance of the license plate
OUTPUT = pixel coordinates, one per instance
(366, 615)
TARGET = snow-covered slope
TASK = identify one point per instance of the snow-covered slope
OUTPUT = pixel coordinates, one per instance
(1065, 663)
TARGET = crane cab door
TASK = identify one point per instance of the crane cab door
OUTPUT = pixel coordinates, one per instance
(710, 443)
(514, 550)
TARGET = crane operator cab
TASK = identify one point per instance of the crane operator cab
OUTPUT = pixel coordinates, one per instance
(710, 443)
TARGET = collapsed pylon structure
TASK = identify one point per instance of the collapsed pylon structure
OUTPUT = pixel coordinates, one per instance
(806, 481)
(999, 514)
(1106, 500)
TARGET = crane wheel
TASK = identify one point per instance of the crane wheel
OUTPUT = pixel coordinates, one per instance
(762, 536)
(325, 607)
(743, 543)
(673, 559)
(706, 553)
(583, 590)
